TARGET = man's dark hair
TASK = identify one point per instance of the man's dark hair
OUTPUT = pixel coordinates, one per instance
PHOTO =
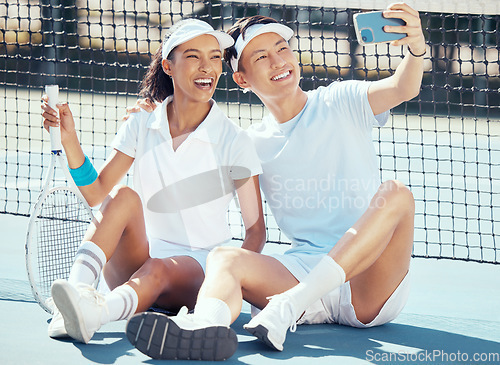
(240, 27)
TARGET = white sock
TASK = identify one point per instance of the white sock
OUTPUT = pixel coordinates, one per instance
(326, 276)
(214, 311)
(121, 303)
(88, 264)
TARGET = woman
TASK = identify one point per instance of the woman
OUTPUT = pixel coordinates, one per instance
(151, 244)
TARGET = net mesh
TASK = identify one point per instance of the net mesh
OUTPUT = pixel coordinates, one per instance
(444, 144)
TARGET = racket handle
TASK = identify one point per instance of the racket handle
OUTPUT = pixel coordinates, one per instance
(52, 92)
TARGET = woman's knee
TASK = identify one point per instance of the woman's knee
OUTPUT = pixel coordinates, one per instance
(123, 196)
(122, 200)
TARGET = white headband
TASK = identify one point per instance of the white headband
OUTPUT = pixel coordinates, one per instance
(252, 32)
(193, 28)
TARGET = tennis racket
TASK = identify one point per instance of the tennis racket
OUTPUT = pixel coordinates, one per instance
(57, 224)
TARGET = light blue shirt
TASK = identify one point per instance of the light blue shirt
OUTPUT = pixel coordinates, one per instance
(320, 169)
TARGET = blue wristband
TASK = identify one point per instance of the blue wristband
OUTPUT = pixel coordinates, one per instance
(85, 174)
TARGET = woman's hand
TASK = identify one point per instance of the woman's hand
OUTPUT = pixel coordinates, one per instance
(65, 120)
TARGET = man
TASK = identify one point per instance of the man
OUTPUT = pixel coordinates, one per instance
(351, 242)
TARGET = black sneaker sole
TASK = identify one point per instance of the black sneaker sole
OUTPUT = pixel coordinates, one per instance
(261, 333)
(157, 336)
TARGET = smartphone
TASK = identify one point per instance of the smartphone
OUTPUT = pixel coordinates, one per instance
(369, 28)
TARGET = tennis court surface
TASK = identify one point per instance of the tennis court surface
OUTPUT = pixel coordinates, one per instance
(452, 315)
(444, 145)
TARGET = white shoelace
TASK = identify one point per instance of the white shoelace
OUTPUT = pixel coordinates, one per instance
(89, 292)
(283, 306)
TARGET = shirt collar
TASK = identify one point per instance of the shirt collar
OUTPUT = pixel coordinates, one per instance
(208, 131)
(288, 126)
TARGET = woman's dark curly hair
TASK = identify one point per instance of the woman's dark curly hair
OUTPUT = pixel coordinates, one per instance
(156, 84)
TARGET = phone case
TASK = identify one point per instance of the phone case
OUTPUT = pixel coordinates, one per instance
(370, 28)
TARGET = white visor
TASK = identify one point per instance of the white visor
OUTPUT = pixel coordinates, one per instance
(252, 32)
(190, 29)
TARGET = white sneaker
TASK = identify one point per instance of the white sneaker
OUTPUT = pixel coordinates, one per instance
(181, 337)
(81, 307)
(56, 326)
(189, 321)
(272, 323)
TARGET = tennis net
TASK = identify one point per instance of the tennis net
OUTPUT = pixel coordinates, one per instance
(444, 144)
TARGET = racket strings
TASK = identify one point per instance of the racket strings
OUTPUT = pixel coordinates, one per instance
(61, 225)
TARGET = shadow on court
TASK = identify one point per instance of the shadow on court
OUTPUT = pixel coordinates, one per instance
(389, 344)
(116, 346)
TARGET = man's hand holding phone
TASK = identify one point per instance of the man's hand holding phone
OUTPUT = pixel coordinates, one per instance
(399, 24)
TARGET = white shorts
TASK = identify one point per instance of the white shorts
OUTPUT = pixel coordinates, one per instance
(159, 249)
(336, 306)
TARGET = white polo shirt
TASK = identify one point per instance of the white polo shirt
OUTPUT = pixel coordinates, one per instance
(186, 193)
(320, 169)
